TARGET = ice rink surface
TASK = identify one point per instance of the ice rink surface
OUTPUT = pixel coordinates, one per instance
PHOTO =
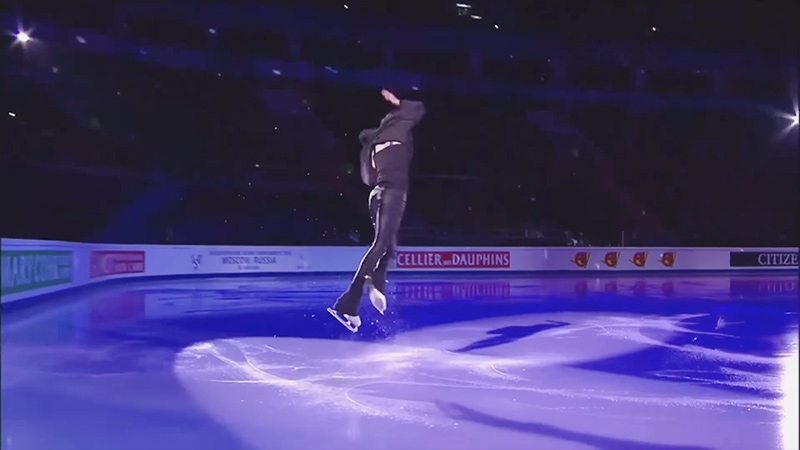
(639, 362)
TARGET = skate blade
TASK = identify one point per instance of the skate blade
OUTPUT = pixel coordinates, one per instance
(378, 300)
(343, 320)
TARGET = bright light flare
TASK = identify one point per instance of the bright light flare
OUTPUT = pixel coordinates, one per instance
(795, 105)
(21, 36)
(792, 118)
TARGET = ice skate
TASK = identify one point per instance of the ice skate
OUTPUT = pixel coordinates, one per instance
(350, 322)
(377, 297)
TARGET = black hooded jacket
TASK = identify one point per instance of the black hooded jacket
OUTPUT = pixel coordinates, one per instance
(393, 164)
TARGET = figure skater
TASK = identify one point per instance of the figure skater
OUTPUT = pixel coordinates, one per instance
(386, 154)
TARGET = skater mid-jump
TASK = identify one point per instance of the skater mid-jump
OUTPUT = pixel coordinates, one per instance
(386, 154)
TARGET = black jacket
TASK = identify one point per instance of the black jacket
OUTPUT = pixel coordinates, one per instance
(398, 125)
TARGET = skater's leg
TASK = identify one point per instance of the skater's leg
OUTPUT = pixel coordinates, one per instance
(389, 206)
(376, 283)
(376, 197)
(379, 276)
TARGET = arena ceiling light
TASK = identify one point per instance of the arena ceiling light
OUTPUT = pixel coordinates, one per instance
(793, 121)
(791, 117)
(794, 102)
(463, 9)
(23, 37)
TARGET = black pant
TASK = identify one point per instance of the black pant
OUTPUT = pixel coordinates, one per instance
(386, 209)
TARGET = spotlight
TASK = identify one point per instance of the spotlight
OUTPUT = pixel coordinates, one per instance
(792, 118)
(22, 37)
(792, 122)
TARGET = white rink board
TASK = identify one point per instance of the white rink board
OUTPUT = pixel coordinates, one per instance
(32, 268)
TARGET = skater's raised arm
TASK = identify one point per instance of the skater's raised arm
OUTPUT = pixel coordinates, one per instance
(407, 109)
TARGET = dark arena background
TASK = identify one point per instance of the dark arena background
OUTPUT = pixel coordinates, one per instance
(599, 248)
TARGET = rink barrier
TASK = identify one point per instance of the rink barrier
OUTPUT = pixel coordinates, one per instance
(33, 268)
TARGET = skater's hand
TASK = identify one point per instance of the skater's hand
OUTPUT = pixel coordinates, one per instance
(391, 98)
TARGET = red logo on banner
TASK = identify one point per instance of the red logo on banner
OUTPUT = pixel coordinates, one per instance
(113, 262)
(581, 259)
(454, 260)
(667, 259)
(611, 259)
(639, 259)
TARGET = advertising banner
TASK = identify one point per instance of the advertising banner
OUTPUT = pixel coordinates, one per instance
(104, 263)
(624, 259)
(236, 260)
(764, 259)
(32, 270)
(453, 260)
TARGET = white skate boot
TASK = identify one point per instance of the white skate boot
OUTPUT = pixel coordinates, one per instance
(350, 322)
(376, 297)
